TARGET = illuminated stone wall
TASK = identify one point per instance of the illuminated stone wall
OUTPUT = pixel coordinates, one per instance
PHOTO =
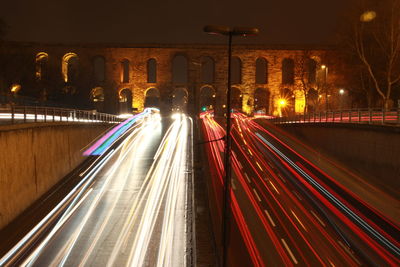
(139, 55)
(35, 158)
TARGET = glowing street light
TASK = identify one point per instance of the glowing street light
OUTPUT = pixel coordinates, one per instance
(281, 105)
(341, 92)
(230, 32)
(282, 102)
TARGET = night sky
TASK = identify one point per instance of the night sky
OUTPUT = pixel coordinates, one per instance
(169, 21)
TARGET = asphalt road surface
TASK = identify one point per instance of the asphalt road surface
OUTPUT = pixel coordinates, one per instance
(286, 211)
(134, 212)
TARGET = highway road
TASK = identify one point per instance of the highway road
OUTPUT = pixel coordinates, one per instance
(131, 208)
(287, 211)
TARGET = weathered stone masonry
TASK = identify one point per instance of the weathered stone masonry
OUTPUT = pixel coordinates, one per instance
(139, 55)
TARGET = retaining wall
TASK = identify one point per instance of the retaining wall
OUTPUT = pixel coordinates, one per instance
(34, 157)
(373, 151)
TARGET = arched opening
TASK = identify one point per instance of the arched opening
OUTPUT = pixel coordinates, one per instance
(236, 70)
(99, 69)
(41, 61)
(152, 98)
(125, 101)
(179, 70)
(288, 71)
(207, 98)
(97, 98)
(125, 66)
(70, 67)
(261, 100)
(179, 99)
(236, 99)
(261, 71)
(151, 70)
(312, 70)
(207, 70)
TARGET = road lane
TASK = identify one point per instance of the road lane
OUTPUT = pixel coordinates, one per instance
(279, 208)
(135, 211)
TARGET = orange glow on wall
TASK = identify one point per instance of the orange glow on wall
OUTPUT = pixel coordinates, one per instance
(368, 16)
(65, 61)
(15, 88)
(40, 59)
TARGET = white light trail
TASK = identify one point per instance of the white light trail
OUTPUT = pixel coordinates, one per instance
(166, 190)
(140, 217)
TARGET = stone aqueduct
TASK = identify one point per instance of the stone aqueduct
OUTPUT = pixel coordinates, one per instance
(111, 75)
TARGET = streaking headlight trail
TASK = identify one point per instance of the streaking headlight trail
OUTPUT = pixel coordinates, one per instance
(109, 138)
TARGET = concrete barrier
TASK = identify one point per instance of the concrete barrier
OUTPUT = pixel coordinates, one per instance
(373, 151)
(34, 157)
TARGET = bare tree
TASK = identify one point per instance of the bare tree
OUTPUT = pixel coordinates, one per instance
(306, 71)
(375, 39)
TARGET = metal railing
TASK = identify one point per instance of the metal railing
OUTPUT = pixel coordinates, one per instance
(369, 116)
(24, 114)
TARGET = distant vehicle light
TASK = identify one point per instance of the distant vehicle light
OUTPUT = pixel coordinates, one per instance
(176, 116)
(124, 115)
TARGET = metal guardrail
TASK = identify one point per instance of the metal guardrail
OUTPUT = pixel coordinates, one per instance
(24, 114)
(369, 116)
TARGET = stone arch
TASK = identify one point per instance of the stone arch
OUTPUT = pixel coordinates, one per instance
(125, 70)
(97, 94)
(180, 69)
(236, 70)
(262, 100)
(180, 99)
(99, 69)
(287, 71)
(261, 71)
(207, 98)
(97, 98)
(152, 98)
(41, 61)
(151, 70)
(70, 67)
(207, 70)
(236, 99)
(125, 100)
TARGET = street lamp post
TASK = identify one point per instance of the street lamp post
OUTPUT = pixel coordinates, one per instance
(230, 32)
(196, 84)
(341, 93)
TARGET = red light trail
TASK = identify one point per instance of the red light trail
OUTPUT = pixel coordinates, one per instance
(289, 211)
